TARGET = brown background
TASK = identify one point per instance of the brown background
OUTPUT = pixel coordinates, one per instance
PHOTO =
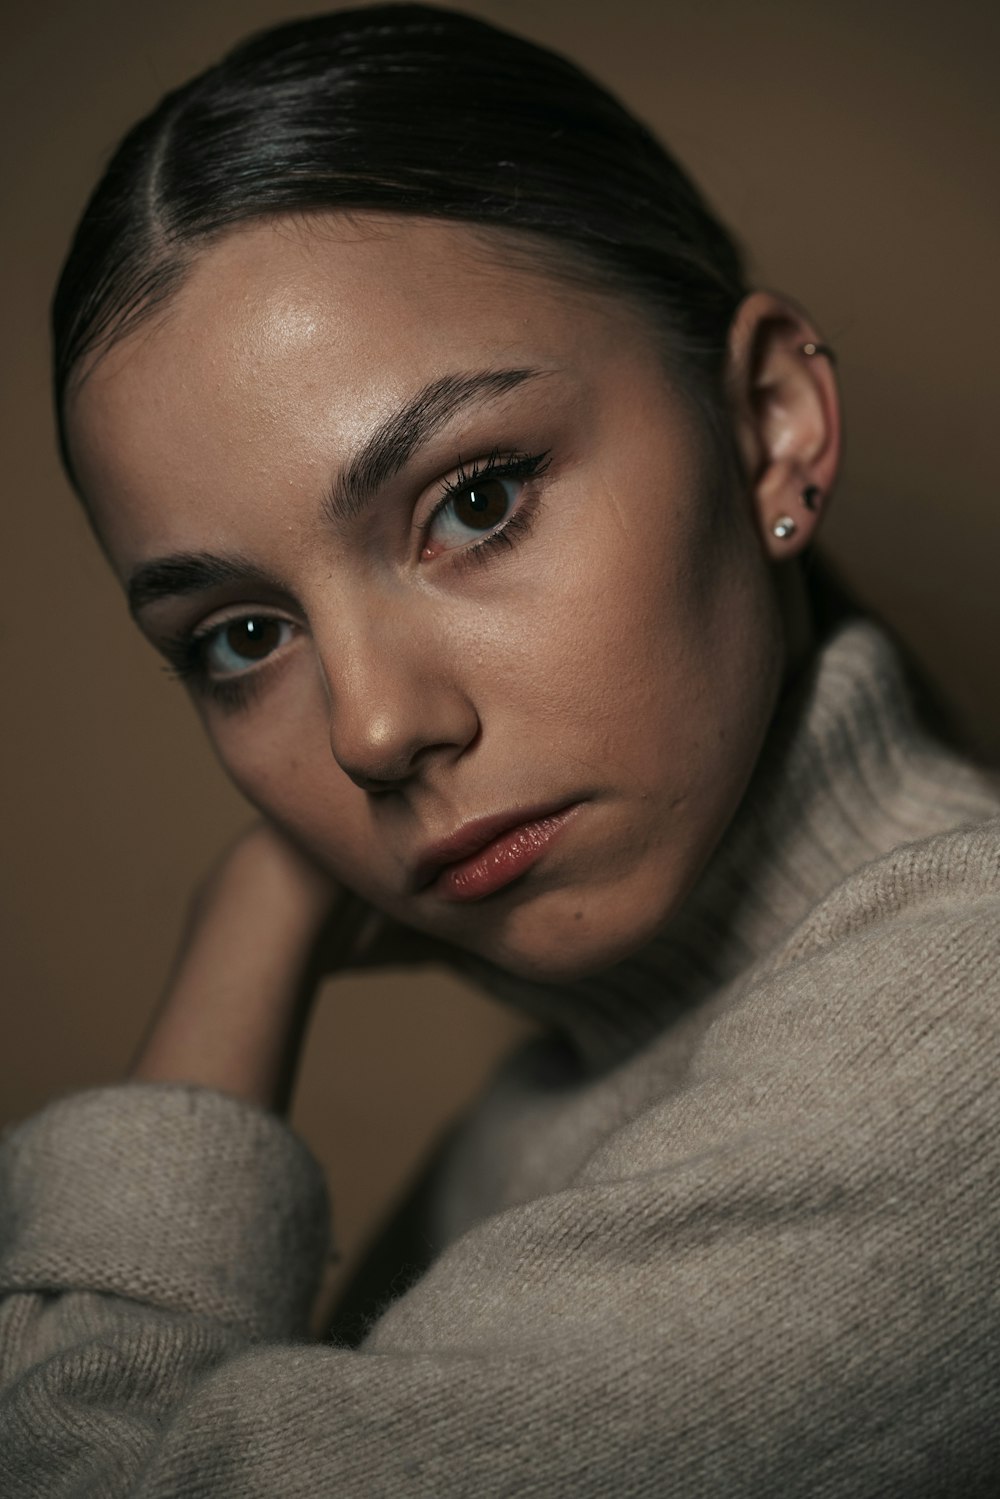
(853, 145)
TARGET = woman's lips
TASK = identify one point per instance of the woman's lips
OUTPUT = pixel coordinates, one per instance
(500, 851)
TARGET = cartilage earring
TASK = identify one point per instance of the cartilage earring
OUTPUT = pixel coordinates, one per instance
(784, 527)
(811, 496)
(814, 348)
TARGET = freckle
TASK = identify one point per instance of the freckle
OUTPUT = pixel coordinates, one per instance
(578, 916)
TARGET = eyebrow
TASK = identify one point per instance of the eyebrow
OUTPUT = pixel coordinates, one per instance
(382, 455)
(188, 572)
(391, 446)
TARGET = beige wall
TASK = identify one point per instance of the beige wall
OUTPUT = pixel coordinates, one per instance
(853, 144)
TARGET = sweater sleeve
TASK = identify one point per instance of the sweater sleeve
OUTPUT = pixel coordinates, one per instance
(778, 1280)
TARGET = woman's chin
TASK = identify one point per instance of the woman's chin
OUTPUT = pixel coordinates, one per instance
(566, 942)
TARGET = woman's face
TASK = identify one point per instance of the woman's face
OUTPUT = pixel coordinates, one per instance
(435, 541)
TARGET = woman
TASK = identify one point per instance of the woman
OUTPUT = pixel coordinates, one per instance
(420, 405)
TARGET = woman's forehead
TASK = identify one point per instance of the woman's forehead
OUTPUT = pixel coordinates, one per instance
(283, 320)
(288, 342)
(274, 309)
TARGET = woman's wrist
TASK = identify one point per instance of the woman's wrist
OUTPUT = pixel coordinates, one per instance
(235, 1009)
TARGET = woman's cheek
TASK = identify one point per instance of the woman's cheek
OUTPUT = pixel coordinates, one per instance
(290, 781)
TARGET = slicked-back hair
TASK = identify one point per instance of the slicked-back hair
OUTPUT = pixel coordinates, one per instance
(400, 109)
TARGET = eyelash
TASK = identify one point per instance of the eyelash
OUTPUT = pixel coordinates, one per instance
(186, 653)
(186, 663)
(496, 466)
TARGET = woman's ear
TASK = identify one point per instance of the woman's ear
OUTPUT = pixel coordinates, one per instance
(787, 413)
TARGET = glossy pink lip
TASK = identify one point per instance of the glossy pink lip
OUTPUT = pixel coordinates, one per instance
(489, 853)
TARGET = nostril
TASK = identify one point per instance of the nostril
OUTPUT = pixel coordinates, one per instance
(376, 785)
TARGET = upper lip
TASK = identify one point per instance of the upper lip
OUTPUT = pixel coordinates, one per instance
(472, 836)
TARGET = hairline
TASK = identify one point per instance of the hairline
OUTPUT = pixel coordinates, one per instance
(540, 253)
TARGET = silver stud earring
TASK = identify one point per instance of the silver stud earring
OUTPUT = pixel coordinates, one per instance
(784, 527)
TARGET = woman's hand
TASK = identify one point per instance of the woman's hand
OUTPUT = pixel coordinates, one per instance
(264, 929)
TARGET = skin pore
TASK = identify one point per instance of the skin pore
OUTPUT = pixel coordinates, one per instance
(477, 553)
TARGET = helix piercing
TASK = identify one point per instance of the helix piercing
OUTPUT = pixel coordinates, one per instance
(815, 348)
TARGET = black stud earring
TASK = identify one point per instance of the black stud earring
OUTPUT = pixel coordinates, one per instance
(811, 497)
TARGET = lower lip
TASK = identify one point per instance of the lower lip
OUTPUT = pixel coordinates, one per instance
(502, 861)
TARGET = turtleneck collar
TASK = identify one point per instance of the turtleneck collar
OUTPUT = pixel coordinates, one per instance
(846, 773)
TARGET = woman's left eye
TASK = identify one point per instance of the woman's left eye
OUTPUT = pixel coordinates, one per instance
(475, 509)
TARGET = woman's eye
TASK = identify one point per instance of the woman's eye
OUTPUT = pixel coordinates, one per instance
(480, 506)
(242, 643)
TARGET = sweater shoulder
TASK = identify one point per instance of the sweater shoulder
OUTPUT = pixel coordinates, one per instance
(906, 946)
(875, 1020)
(950, 876)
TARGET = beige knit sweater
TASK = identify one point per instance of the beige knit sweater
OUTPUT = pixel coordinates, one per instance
(737, 1233)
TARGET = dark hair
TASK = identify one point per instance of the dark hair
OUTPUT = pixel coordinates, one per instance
(401, 109)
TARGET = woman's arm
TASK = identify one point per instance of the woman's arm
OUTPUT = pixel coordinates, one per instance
(265, 928)
(236, 1006)
(777, 1280)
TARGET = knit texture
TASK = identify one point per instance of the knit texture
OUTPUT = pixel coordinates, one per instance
(731, 1227)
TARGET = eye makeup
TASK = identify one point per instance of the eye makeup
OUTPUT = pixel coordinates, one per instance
(492, 495)
(478, 490)
(189, 656)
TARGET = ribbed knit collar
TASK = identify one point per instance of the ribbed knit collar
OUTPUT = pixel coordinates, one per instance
(846, 774)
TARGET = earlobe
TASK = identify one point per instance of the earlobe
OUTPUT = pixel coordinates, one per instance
(782, 382)
(785, 527)
(790, 536)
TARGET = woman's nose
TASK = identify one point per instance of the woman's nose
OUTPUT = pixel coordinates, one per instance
(394, 711)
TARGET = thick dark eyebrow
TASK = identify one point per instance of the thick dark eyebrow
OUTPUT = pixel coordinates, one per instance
(188, 572)
(391, 446)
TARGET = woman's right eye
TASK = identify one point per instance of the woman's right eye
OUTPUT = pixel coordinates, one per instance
(237, 645)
